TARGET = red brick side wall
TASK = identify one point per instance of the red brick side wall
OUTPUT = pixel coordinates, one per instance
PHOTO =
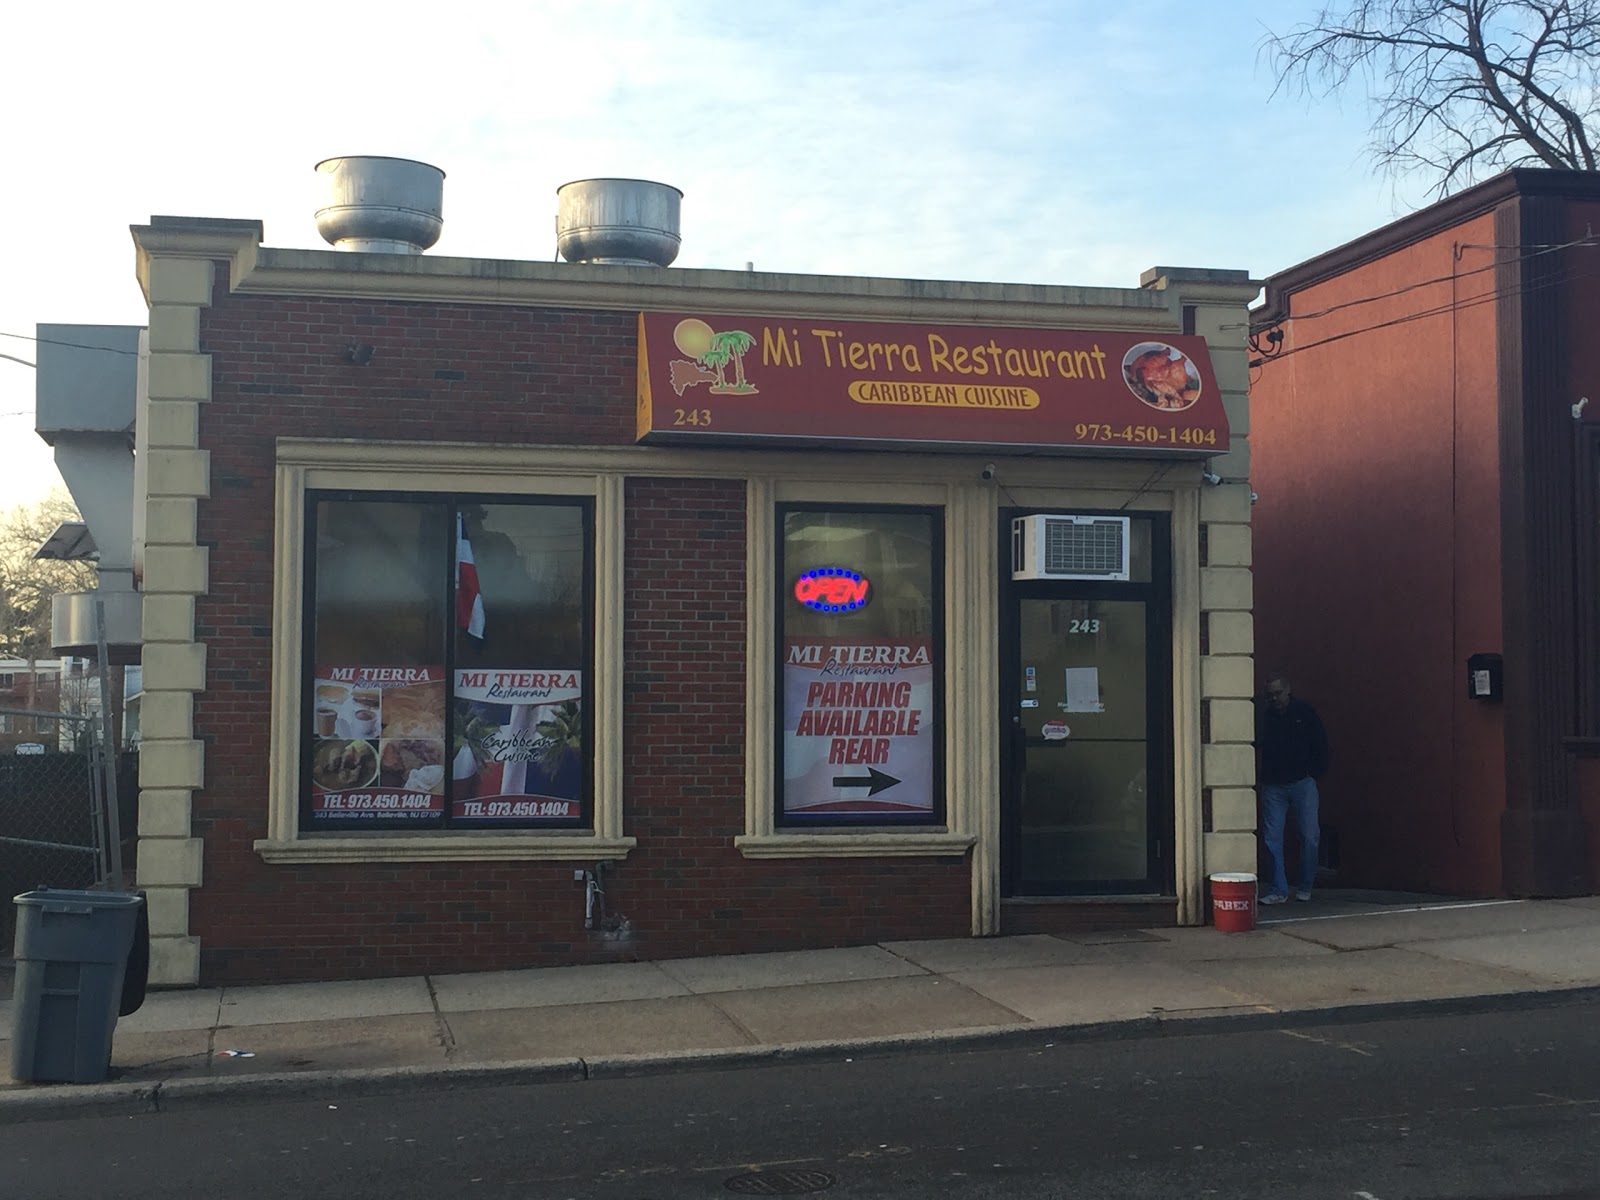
(506, 376)
(1374, 448)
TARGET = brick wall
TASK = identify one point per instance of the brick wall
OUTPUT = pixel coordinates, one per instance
(507, 376)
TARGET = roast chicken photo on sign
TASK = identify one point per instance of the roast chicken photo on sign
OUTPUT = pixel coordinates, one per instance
(1161, 376)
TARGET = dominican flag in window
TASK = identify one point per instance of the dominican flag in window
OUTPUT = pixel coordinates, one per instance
(469, 603)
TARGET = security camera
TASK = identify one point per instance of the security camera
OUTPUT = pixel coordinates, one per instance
(988, 470)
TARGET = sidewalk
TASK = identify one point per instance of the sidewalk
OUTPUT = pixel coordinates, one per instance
(579, 1022)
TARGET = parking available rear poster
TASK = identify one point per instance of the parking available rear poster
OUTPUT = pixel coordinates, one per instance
(858, 726)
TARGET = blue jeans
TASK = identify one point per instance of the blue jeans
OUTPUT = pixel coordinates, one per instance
(1276, 801)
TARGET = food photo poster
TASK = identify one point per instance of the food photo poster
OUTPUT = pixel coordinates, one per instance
(378, 740)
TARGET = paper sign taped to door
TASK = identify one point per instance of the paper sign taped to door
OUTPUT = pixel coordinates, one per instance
(1083, 690)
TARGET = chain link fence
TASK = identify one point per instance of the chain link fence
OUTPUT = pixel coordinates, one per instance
(63, 812)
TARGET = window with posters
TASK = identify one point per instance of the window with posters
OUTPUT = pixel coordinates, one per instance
(861, 666)
(448, 662)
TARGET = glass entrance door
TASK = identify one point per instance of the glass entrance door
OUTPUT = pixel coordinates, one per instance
(1087, 702)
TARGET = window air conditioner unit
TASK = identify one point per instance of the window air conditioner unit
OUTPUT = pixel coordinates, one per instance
(1068, 547)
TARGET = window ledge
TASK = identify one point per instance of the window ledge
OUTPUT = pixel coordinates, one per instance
(499, 848)
(851, 844)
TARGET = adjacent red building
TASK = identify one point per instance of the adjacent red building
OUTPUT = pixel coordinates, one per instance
(1427, 463)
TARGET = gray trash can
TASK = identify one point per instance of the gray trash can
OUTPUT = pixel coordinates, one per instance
(71, 951)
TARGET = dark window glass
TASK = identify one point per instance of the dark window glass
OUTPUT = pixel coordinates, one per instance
(519, 751)
(861, 665)
(447, 664)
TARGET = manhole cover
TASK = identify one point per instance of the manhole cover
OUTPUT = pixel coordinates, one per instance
(779, 1183)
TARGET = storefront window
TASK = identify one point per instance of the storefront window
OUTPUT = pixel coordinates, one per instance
(448, 664)
(861, 666)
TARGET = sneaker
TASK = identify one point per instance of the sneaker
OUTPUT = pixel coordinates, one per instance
(1302, 895)
(1273, 899)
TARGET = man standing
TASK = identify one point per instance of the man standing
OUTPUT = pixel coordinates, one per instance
(1294, 754)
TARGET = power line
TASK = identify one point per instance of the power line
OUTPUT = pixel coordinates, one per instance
(24, 337)
(1586, 240)
(1150, 481)
(15, 359)
(1441, 309)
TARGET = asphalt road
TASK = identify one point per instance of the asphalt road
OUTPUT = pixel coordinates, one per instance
(1488, 1105)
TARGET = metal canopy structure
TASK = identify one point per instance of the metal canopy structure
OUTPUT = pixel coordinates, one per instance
(71, 542)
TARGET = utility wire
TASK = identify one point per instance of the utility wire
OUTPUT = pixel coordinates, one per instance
(1439, 310)
(1534, 251)
(25, 337)
(1150, 482)
(1588, 240)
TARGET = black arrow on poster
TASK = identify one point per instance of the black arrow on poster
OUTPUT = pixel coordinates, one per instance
(874, 781)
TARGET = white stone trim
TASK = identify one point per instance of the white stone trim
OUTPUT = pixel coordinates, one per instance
(1233, 810)
(175, 380)
(1188, 855)
(760, 753)
(269, 270)
(1231, 851)
(568, 846)
(972, 614)
(899, 843)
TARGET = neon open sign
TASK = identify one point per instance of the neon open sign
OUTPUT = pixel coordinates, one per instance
(833, 589)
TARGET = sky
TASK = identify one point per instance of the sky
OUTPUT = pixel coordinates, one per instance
(1030, 141)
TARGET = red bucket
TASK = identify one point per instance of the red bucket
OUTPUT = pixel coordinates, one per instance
(1233, 901)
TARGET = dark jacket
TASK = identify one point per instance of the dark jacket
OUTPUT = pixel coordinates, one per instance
(1292, 741)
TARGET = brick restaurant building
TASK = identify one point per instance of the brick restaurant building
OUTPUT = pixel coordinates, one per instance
(506, 613)
(1427, 547)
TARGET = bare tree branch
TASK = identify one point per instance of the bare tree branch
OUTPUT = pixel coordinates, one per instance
(1459, 88)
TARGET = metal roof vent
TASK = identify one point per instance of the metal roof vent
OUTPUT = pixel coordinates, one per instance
(628, 222)
(381, 205)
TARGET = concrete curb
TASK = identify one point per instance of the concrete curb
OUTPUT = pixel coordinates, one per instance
(1002, 1037)
(366, 1081)
(68, 1102)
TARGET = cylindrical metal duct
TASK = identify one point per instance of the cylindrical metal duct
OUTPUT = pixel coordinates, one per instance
(381, 205)
(630, 222)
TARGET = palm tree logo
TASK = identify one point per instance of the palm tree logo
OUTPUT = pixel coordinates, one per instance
(709, 355)
(560, 736)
